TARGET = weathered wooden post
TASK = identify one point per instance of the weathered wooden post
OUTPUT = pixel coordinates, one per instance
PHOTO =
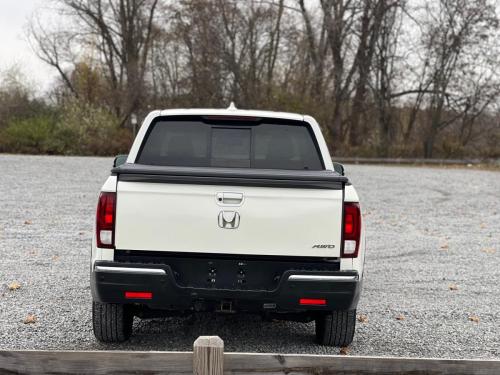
(208, 356)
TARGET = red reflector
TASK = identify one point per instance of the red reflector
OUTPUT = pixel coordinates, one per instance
(312, 301)
(139, 295)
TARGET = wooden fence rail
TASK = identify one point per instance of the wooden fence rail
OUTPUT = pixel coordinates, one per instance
(208, 357)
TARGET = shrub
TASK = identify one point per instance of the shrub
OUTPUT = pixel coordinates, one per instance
(84, 129)
(79, 129)
(31, 135)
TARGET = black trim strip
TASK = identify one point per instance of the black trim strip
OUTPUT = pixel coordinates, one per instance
(201, 180)
(231, 176)
(121, 254)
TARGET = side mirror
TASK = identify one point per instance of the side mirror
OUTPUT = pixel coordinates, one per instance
(339, 168)
(119, 160)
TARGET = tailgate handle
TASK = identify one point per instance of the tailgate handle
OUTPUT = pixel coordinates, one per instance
(229, 198)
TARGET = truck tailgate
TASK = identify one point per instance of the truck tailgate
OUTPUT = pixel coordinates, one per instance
(228, 219)
(185, 218)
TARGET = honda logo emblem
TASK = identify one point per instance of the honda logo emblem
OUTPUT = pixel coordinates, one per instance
(229, 219)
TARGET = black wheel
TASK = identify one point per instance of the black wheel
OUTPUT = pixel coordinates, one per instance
(336, 328)
(112, 322)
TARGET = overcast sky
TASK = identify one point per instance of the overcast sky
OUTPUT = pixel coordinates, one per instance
(14, 49)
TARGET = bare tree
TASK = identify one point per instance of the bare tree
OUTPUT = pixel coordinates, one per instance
(120, 31)
(54, 48)
(385, 73)
(374, 13)
(346, 37)
(455, 26)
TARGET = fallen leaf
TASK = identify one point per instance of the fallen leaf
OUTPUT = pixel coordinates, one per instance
(444, 246)
(344, 350)
(474, 319)
(363, 318)
(30, 319)
(452, 287)
(55, 257)
(482, 226)
(400, 317)
(14, 285)
(27, 222)
(489, 250)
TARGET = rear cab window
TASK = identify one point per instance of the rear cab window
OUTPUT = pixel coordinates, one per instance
(217, 141)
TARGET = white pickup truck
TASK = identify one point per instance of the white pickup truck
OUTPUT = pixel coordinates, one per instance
(229, 211)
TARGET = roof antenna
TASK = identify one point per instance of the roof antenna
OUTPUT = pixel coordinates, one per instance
(232, 107)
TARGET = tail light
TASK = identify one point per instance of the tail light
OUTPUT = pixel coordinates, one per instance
(352, 230)
(105, 220)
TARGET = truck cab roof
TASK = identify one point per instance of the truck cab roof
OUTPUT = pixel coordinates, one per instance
(230, 111)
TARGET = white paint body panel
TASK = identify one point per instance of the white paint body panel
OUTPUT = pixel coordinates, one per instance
(184, 218)
(110, 184)
(350, 194)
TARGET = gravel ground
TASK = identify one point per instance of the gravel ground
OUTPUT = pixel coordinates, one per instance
(430, 230)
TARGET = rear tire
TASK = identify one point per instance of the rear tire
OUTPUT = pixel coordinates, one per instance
(336, 328)
(112, 322)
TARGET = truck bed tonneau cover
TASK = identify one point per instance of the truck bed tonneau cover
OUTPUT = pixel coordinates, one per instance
(324, 179)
